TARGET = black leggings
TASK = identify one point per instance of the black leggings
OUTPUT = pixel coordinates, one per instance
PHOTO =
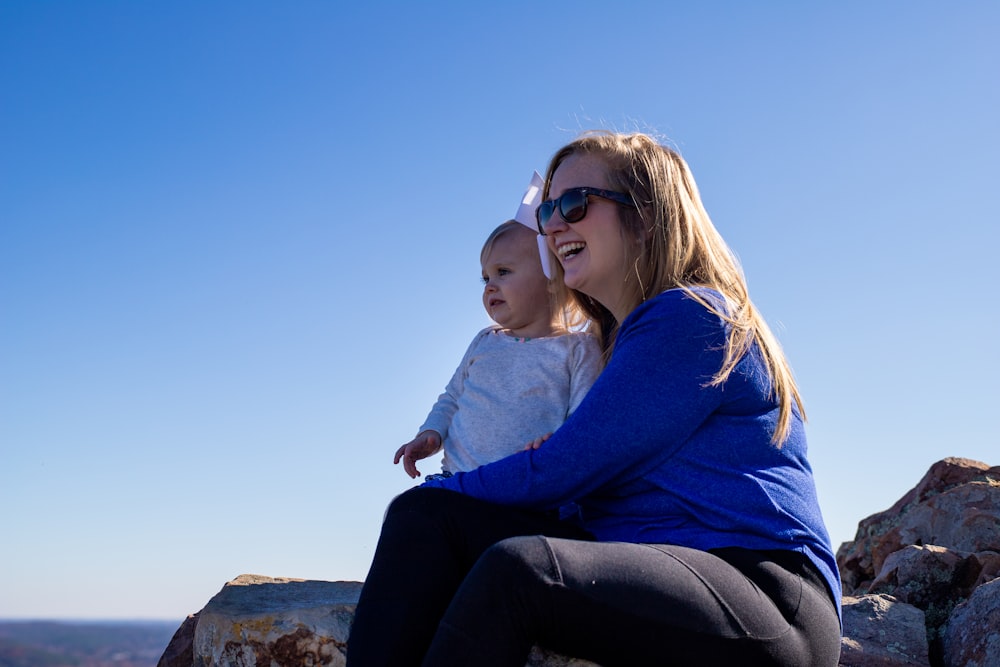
(456, 581)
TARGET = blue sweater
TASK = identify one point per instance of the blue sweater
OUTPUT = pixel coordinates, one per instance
(654, 455)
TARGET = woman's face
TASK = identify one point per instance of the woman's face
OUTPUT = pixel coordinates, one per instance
(592, 252)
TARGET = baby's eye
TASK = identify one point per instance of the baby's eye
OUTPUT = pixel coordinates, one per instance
(485, 279)
(503, 272)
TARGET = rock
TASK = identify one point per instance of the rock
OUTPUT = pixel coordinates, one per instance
(972, 637)
(180, 650)
(933, 547)
(256, 620)
(956, 505)
(542, 658)
(879, 630)
(933, 579)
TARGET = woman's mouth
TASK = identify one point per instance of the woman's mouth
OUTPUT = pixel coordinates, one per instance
(569, 250)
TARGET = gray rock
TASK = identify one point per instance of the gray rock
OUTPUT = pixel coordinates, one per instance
(933, 579)
(880, 630)
(972, 638)
(256, 620)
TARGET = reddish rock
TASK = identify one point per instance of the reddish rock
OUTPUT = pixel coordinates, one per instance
(990, 562)
(956, 505)
(972, 638)
(934, 580)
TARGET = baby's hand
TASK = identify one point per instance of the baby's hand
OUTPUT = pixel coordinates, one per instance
(427, 443)
(537, 442)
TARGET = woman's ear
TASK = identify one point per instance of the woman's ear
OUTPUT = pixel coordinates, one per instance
(644, 233)
(645, 228)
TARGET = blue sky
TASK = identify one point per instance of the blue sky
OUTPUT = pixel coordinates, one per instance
(239, 252)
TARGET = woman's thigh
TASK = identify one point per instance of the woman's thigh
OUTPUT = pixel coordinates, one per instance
(630, 604)
(430, 539)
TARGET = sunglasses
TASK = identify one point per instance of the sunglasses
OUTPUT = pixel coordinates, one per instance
(572, 205)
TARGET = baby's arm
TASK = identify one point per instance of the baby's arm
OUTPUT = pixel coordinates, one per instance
(434, 429)
(427, 443)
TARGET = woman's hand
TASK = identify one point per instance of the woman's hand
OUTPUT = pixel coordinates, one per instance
(537, 442)
(427, 443)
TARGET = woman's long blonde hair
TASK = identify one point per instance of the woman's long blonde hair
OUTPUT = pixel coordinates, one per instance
(682, 249)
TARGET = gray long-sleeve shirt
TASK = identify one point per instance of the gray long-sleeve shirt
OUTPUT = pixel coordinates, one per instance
(508, 391)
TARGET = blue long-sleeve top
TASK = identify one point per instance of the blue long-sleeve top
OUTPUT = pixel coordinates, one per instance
(655, 454)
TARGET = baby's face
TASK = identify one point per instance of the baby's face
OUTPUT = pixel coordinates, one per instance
(515, 292)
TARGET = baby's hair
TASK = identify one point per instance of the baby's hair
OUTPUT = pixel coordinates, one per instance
(567, 314)
(502, 228)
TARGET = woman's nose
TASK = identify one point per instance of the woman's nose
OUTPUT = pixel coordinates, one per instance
(555, 224)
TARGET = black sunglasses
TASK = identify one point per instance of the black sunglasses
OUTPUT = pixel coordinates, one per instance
(572, 205)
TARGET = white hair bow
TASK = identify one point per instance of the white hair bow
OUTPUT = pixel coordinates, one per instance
(526, 216)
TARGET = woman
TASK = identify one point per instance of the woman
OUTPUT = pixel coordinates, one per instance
(700, 538)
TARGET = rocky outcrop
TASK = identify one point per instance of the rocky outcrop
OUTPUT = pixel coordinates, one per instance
(921, 587)
(972, 637)
(954, 506)
(933, 549)
(256, 620)
(879, 630)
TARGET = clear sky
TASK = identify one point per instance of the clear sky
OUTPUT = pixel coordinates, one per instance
(239, 251)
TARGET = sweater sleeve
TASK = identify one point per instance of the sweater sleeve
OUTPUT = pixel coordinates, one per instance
(446, 406)
(586, 365)
(648, 401)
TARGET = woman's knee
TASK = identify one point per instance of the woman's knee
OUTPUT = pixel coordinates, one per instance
(518, 561)
(419, 499)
